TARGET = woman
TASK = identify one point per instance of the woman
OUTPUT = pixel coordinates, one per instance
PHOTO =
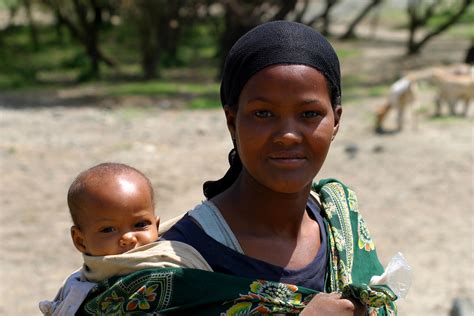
(281, 95)
(276, 242)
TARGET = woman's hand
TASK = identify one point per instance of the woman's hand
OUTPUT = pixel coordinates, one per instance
(324, 304)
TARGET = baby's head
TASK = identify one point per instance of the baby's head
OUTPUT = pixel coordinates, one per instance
(112, 208)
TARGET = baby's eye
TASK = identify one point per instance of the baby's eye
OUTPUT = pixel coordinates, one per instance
(310, 114)
(107, 230)
(263, 114)
(142, 224)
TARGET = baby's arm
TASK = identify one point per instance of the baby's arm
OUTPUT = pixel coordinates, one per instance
(69, 298)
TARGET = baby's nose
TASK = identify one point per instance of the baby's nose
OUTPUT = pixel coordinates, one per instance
(128, 239)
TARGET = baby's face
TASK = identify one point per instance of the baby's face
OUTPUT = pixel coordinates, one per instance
(118, 217)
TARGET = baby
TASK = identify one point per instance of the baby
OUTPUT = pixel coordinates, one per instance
(116, 230)
(113, 211)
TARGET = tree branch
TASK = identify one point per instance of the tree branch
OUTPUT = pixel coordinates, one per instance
(299, 15)
(350, 32)
(441, 28)
(286, 8)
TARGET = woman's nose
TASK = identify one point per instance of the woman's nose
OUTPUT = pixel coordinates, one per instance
(288, 133)
(128, 239)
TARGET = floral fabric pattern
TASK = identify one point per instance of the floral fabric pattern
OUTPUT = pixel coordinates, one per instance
(266, 297)
(145, 292)
(352, 262)
(141, 298)
(111, 304)
(365, 241)
(349, 221)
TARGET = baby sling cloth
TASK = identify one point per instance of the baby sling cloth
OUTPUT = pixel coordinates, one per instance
(352, 263)
(162, 254)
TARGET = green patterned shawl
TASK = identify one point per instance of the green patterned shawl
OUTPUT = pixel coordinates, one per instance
(353, 261)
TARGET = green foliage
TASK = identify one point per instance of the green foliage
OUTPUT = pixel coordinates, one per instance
(442, 16)
(6, 4)
(187, 75)
(66, 61)
(378, 90)
(160, 88)
(462, 31)
(465, 26)
(198, 43)
(447, 119)
(194, 95)
(20, 64)
(206, 102)
(347, 53)
(358, 86)
(439, 17)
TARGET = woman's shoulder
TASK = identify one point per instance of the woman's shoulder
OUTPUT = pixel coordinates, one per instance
(347, 232)
(332, 191)
(180, 228)
(329, 184)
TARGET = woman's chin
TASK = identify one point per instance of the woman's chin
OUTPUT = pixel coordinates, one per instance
(287, 186)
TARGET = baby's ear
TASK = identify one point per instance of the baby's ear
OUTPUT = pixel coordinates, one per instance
(78, 239)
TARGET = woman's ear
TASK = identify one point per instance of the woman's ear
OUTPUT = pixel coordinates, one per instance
(230, 115)
(78, 239)
(157, 223)
(337, 120)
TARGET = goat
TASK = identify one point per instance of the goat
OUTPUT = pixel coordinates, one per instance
(454, 83)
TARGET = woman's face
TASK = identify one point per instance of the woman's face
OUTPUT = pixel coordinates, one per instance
(283, 126)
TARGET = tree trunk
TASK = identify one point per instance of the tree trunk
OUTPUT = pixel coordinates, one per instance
(350, 32)
(31, 25)
(325, 16)
(169, 32)
(58, 27)
(92, 38)
(149, 20)
(301, 13)
(412, 28)
(287, 7)
(235, 25)
(83, 30)
(148, 45)
(150, 59)
(241, 16)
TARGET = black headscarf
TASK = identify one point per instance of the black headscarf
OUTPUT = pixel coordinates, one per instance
(278, 42)
(272, 43)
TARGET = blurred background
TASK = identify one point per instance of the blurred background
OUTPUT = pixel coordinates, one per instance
(88, 81)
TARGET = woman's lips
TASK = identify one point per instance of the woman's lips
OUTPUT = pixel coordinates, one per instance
(287, 159)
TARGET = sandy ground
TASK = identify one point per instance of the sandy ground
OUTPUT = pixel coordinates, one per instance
(415, 188)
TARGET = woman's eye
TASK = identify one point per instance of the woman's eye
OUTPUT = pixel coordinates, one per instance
(263, 114)
(310, 114)
(142, 224)
(107, 230)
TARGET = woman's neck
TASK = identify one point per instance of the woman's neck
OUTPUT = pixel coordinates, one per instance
(250, 208)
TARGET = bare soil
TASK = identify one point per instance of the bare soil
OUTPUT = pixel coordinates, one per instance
(415, 188)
